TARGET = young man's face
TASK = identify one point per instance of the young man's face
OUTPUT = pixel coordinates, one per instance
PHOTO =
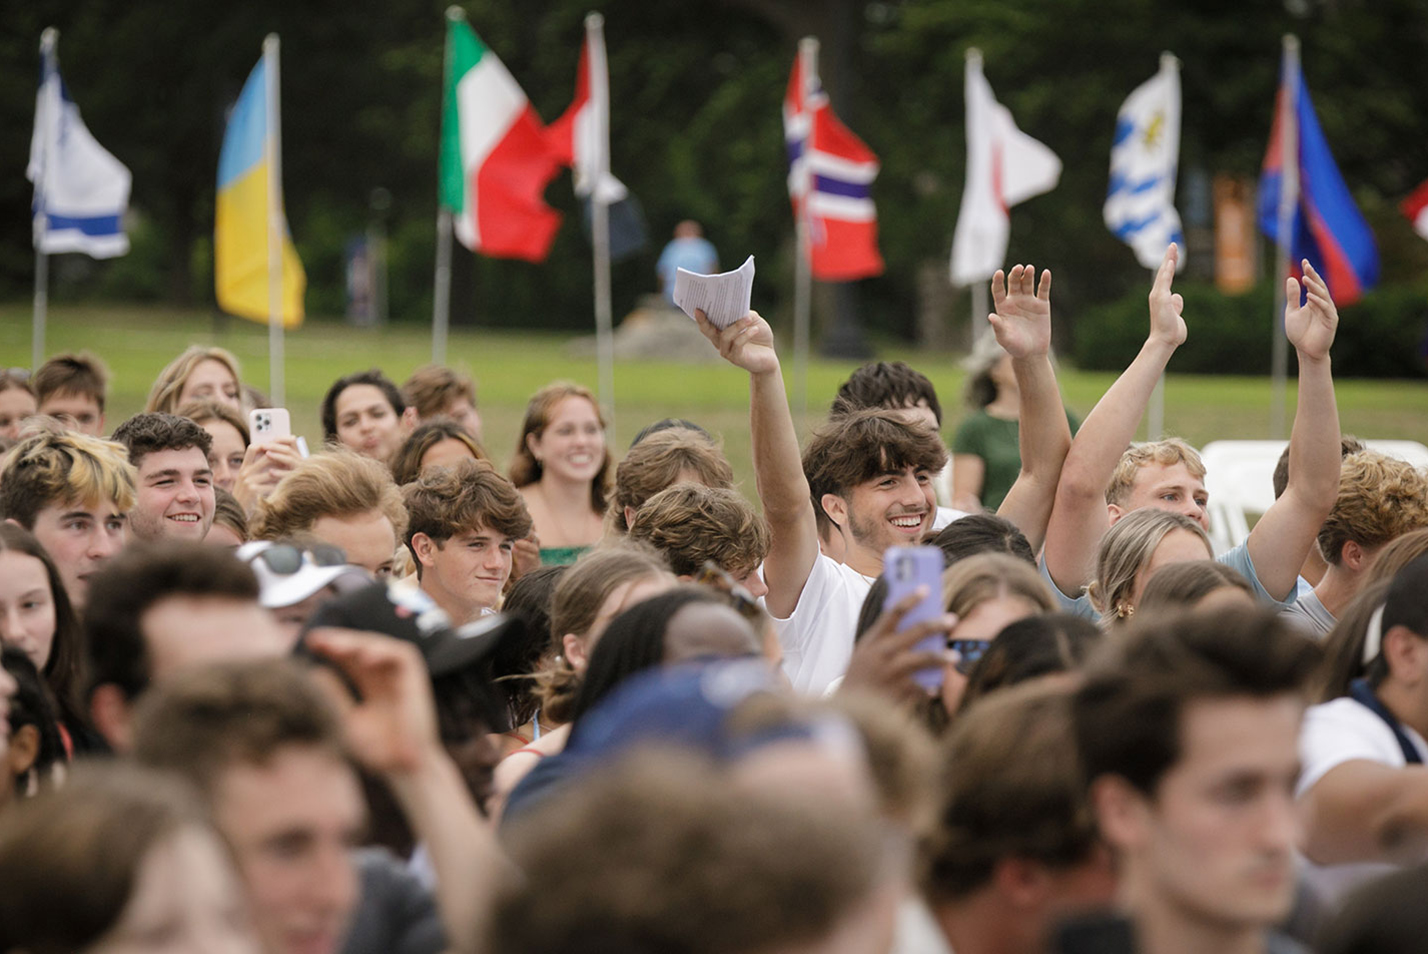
(1217, 841)
(78, 412)
(79, 538)
(182, 631)
(16, 404)
(292, 823)
(1167, 487)
(174, 497)
(463, 412)
(466, 573)
(892, 509)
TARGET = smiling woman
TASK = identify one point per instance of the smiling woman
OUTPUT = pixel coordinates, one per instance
(562, 467)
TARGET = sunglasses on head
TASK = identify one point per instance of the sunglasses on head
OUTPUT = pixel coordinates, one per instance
(285, 559)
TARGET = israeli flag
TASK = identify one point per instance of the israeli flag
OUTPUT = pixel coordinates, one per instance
(1140, 202)
(81, 191)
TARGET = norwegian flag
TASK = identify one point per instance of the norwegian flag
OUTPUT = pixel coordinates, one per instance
(830, 177)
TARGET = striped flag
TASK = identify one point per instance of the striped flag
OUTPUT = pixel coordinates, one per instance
(81, 191)
(830, 177)
(1415, 207)
(1140, 200)
(495, 158)
(240, 227)
(581, 136)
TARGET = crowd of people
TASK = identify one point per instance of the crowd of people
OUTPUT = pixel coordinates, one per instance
(387, 697)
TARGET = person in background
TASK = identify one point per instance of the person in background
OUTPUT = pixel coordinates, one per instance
(38, 757)
(435, 390)
(1131, 553)
(1314, 566)
(17, 402)
(691, 524)
(230, 523)
(438, 442)
(364, 413)
(562, 469)
(670, 456)
(73, 492)
(340, 499)
(690, 250)
(72, 387)
(1195, 584)
(199, 374)
(117, 858)
(515, 661)
(37, 618)
(230, 438)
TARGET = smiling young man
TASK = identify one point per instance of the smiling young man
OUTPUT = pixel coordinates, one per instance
(73, 492)
(174, 493)
(870, 472)
(463, 524)
(1188, 736)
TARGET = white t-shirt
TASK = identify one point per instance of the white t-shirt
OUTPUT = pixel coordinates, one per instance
(1345, 730)
(946, 515)
(817, 637)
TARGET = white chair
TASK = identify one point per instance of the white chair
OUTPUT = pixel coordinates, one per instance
(1240, 479)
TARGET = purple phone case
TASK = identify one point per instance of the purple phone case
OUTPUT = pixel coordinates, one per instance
(905, 569)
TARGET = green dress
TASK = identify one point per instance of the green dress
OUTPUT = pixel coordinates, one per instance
(560, 556)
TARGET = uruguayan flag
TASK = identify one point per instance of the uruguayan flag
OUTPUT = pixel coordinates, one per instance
(81, 191)
(1140, 203)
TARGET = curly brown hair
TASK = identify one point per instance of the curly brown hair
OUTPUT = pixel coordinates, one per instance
(656, 462)
(446, 501)
(690, 523)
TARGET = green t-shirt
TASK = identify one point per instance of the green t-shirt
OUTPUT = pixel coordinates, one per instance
(995, 441)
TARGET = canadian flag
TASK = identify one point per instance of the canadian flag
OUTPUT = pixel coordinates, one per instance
(581, 136)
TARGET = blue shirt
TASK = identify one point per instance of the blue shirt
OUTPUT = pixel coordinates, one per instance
(693, 254)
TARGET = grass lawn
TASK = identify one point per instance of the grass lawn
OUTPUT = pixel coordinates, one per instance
(137, 342)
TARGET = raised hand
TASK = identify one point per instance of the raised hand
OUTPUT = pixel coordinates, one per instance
(1167, 324)
(885, 660)
(1022, 321)
(748, 343)
(1310, 327)
(392, 729)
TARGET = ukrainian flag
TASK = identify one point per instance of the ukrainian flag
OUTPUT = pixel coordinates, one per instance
(240, 234)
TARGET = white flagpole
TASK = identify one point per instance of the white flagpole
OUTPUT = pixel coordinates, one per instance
(1155, 426)
(1288, 202)
(600, 214)
(48, 41)
(803, 269)
(274, 149)
(441, 293)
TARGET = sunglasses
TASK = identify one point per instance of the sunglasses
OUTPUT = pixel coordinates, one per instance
(285, 559)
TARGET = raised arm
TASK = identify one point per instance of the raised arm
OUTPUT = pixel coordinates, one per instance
(1022, 324)
(1282, 537)
(1079, 519)
(778, 467)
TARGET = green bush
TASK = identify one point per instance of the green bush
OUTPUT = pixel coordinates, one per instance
(1382, 336)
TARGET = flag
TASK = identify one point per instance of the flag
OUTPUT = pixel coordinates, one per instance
(1005, 166)
(1327, 228)
(830, 177)
(81, 191)
(240, 229)
(1140, 201)
(581, 136)
(1415, 207)
(495, 158)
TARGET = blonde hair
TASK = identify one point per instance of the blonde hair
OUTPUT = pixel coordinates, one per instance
(525, 469)
(203, 411)
(169, 384)
(1126, 549)
(653, 465)
(63, 467)
(974, 580)
(1166, 453)
(1380, 498)
(335, 484)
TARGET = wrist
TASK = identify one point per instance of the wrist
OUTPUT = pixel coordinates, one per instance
(1311, 360)
(1159, 347)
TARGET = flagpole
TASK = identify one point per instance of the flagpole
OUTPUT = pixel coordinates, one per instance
(274, 149)
(803, 270)
(1288, 203)
(48, 39)
(441, 293)
(600, 216)
(1155, 424)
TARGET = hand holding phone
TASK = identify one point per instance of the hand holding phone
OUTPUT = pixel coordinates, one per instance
(906, 569)
(266, 424)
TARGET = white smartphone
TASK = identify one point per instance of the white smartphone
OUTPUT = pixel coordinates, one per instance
(266, 424)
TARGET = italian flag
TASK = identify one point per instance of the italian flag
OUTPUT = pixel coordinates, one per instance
(581, 136)
(495, 160)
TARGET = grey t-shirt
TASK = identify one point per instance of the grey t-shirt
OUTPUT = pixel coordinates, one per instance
(395, 913)
(1310, 615)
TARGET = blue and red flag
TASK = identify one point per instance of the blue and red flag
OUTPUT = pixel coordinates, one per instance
(830, 177)
(1328, 228)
